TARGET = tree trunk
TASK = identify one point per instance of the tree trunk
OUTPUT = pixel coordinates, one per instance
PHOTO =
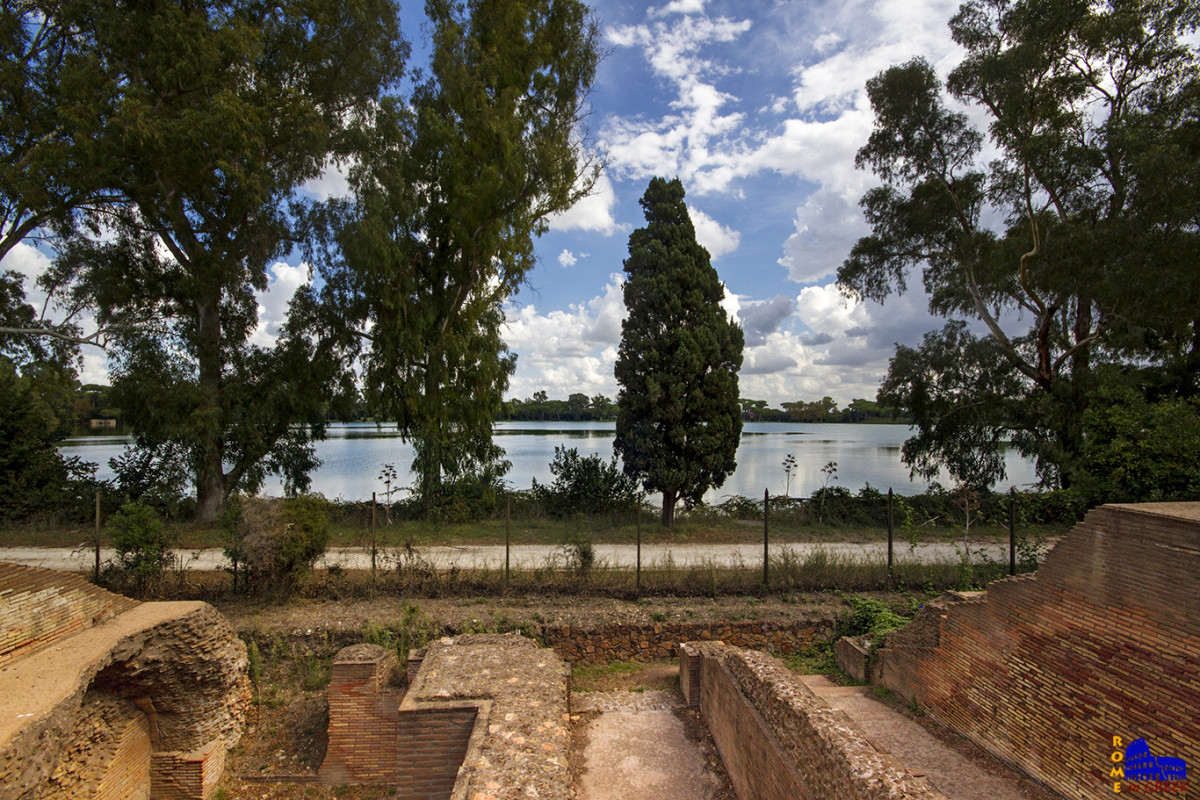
(668, 507)
(210, 476)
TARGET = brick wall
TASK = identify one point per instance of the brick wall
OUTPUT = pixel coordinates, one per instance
(363, 718)
(432, 745)
(187, 776)
(1044, 671)
(778, 741)
(128, 774)
(39, 607)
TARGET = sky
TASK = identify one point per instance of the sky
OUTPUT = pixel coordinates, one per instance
(758, 108)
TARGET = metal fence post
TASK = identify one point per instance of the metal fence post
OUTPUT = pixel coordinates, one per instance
(637, 592)
(96, 577)
(766, 538)
(374, 547)
(507, 533)
(1012, 530)
(891, 528)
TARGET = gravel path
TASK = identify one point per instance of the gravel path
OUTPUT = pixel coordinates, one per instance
(530, 556)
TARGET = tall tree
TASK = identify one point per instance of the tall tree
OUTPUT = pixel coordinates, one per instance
(461, 178)
(678, 419)
(220, 111)
(1093, 110)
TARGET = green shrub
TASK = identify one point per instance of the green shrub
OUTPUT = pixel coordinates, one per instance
(142, 544)
(276, 542)
(586, 485)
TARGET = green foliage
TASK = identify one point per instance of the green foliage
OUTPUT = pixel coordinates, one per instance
(1139, 450)
(869, 617)
(679, 419)
(276, 542)
(35, 416)
(586, 485)
(142, 544)
(460, 178)
(1092, 108)
(206, 136)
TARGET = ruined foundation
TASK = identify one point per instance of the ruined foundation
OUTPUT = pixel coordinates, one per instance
(105, 697)
(1056, 672)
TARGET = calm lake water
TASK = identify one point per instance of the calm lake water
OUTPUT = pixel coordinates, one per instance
(354, 453)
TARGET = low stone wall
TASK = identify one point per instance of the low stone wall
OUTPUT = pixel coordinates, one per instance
(39, 607)
(619, 642)
(1048, 671)
(778, 740)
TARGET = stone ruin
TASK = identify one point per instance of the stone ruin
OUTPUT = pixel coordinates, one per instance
(105, 698)
(1058, 671)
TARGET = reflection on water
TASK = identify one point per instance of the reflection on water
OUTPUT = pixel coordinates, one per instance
(353, 454)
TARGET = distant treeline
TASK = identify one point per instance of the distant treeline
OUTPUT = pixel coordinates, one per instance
(92, 402)
(580, 407)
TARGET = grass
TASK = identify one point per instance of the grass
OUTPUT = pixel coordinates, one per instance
(709, 529)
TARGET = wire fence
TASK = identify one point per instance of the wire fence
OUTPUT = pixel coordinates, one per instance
(743, 545)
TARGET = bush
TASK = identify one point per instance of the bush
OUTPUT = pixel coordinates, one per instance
(142, 544)
(587, 485)
(275, 542)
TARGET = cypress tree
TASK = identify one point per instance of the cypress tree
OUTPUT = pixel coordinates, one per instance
(678, 416)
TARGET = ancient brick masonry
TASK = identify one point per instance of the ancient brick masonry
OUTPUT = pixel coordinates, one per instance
(781, 742)
(1044, 671)
(112, 698)
(486, 717)
(39, 607)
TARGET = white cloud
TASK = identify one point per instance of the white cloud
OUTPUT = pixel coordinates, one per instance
(30, 263)
(273, 303)
(567, 259)
(680, 7)
(717, 239)
(592, 213)
(333, 182)
(564, 352)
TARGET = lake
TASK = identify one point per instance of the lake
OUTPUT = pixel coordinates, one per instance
(354, 453)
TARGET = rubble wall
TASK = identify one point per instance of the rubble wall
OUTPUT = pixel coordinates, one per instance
(778, 740)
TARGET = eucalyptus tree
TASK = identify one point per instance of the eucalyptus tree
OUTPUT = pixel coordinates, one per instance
(678, 414)
(1076, 245)
(217, 113)
(460, 178)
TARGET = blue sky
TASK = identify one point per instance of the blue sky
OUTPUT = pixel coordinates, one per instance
(758, 108)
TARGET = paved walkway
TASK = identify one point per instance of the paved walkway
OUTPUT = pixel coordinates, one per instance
(923, 754)
(638, 749)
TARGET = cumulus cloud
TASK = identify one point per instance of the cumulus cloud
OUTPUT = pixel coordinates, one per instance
(567, 259)
(827, 226)
(714, 237)
(564, 352)
(273, 303)
(333, 182)
(592, 213)
(762, 318)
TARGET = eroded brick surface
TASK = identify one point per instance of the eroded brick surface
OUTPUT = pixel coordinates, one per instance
(125, 694)
(1044, 671)
(780, 742)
